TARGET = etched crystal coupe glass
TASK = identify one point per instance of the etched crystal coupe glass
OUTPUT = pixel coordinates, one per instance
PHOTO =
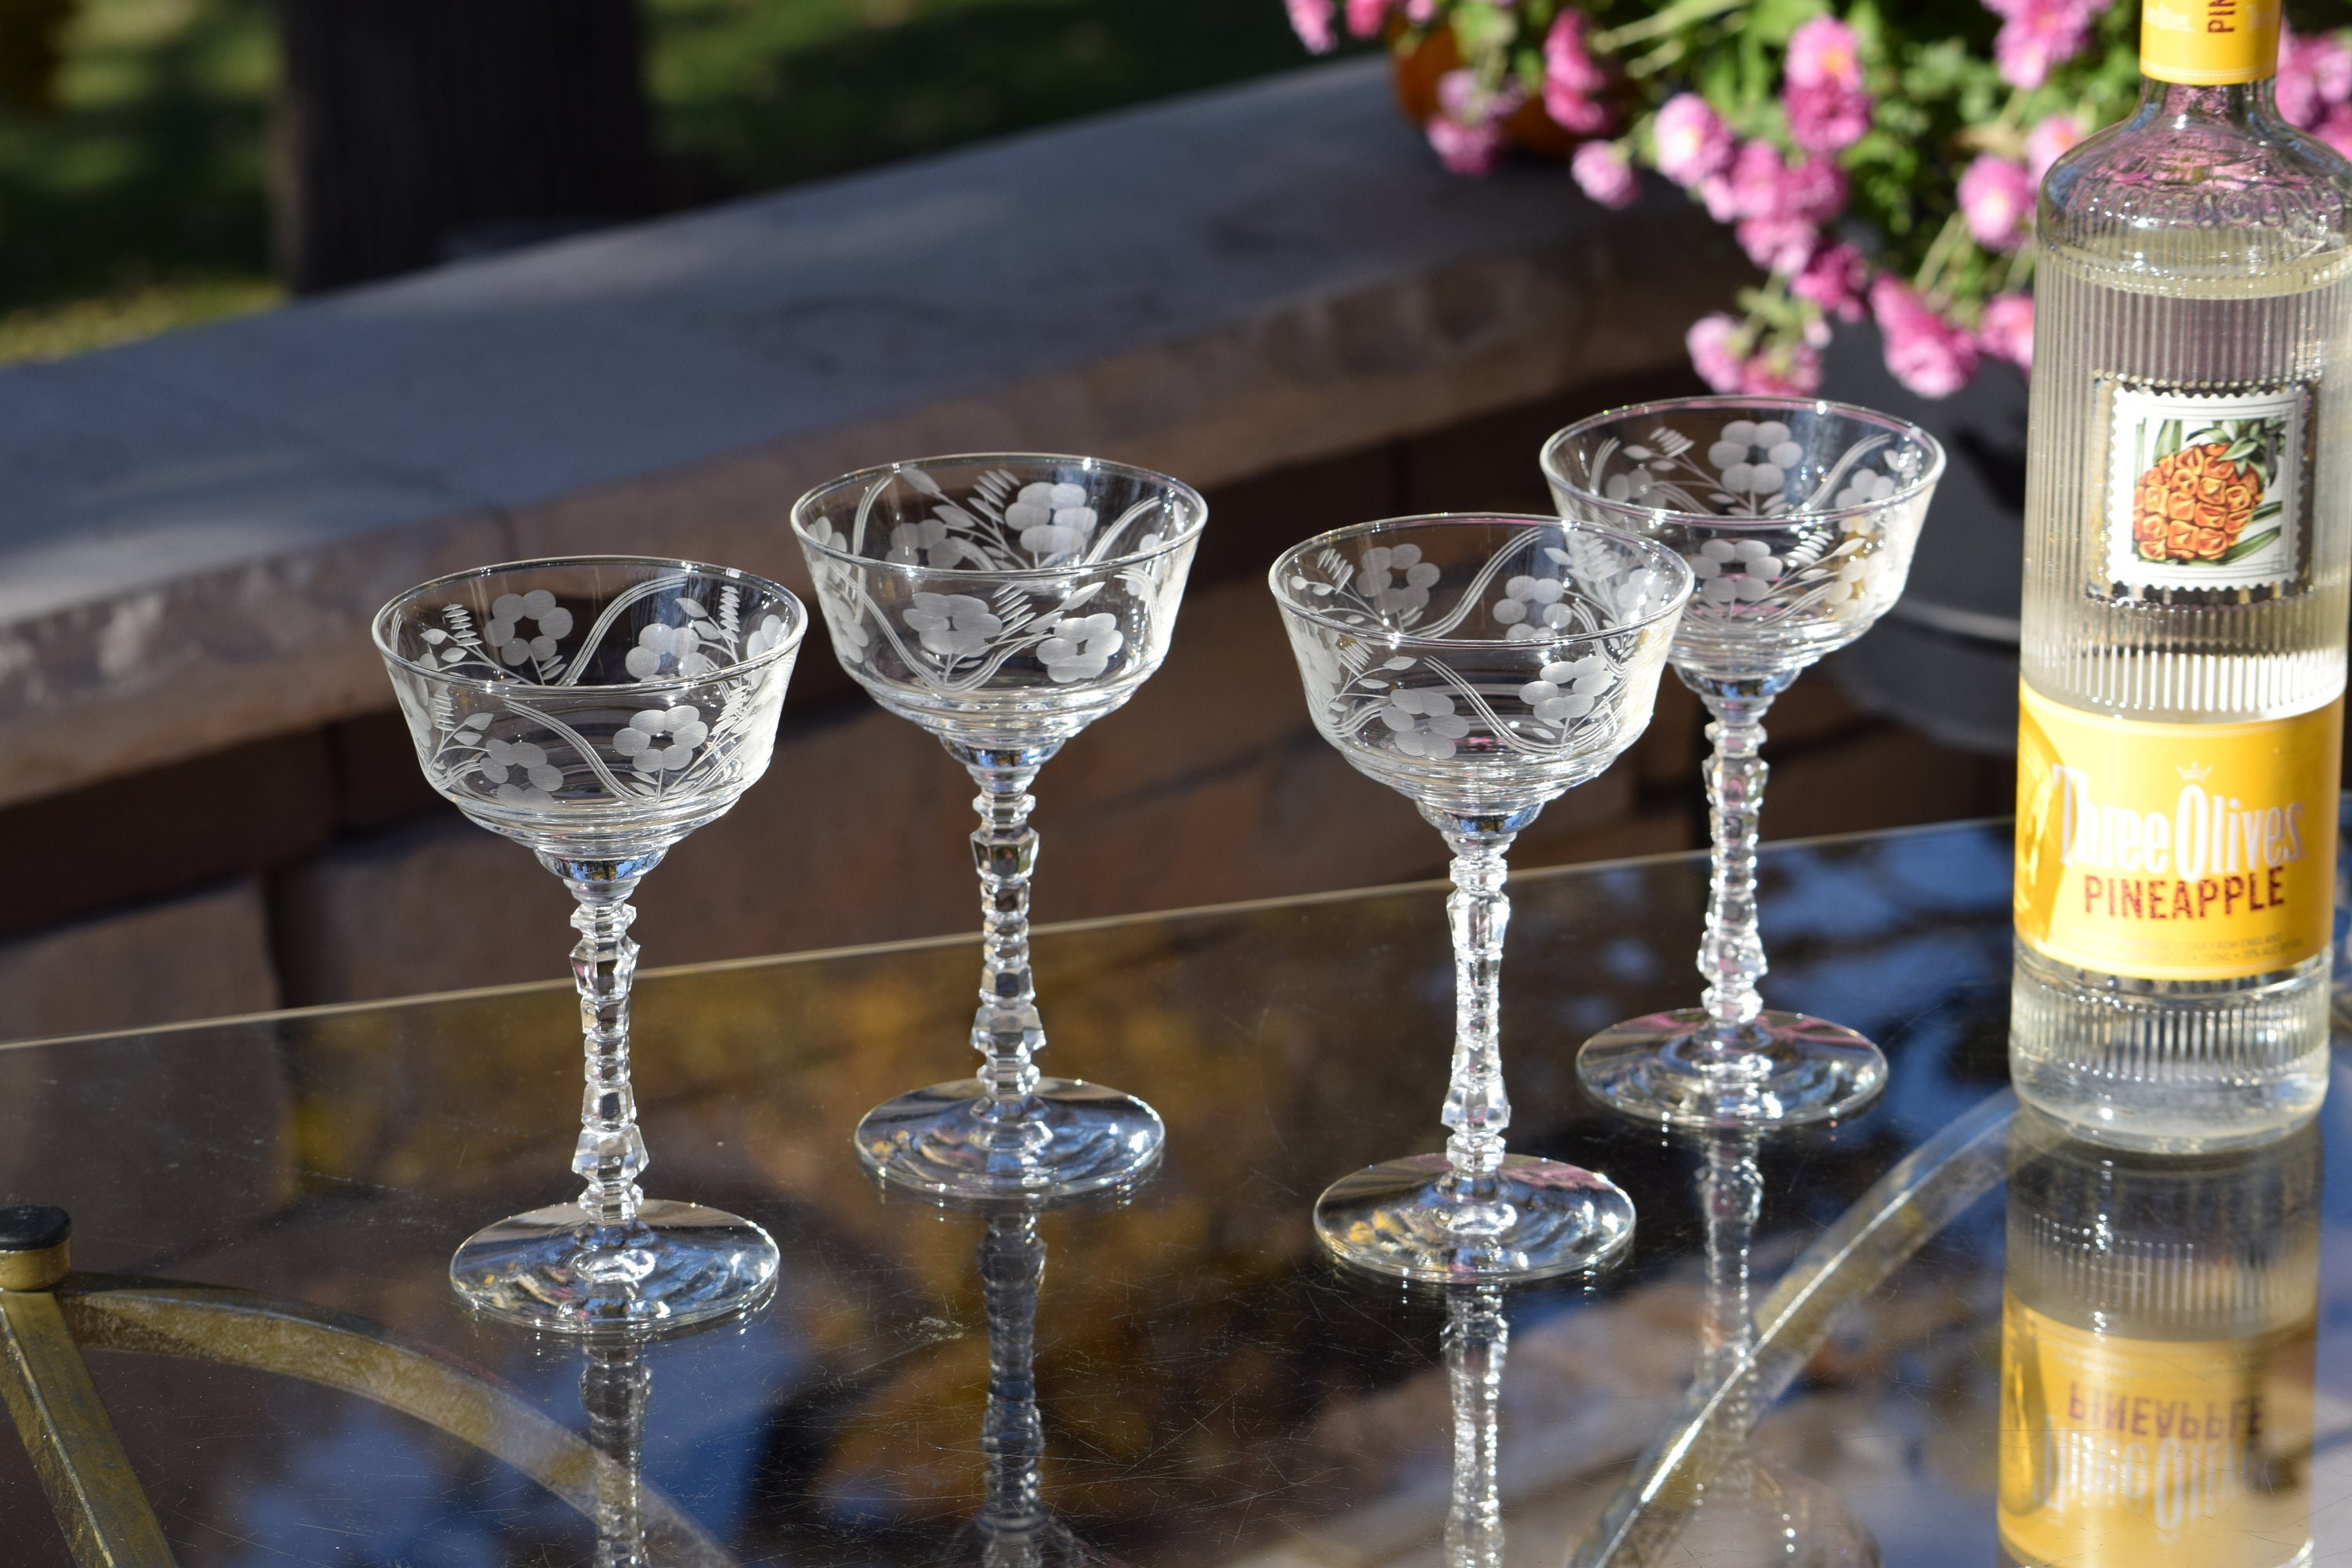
(1004, 602)
(596, 710)
(1798, 518)
(1481, 666)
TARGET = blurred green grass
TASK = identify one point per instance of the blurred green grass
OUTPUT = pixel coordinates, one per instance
(142, 204)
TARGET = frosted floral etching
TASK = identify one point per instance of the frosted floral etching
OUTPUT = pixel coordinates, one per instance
(1418, 704)
(529, 746)
(1832, 561)
(1061, 610)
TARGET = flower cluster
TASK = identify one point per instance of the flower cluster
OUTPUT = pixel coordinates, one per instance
(1872, 160)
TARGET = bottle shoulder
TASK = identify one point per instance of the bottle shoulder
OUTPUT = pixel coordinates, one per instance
(2223, 201)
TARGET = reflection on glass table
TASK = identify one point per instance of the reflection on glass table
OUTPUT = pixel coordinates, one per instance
(1210, 1392)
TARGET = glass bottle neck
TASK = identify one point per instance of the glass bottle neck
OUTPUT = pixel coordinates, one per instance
(2182, 104)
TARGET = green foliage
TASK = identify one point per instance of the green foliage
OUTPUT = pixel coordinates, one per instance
(134, 168)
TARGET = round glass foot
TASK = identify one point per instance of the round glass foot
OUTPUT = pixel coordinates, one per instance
(1410, 1219)
(1068, 1137)
(1782, 1070)
(553, 1270)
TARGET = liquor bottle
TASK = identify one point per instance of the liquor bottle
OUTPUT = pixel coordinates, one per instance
(2158, 1336)
(2189, 518)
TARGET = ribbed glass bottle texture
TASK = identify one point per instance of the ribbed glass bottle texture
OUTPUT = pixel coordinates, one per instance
(2189, 505)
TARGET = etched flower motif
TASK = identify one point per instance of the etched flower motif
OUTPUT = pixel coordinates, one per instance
(1754, 457)
(1424, 721)
(1383, 564)
(1081, 646)
(1567, 689)
(1865, 584)
(509, 613)
(770, 633)
(1635, 484)
(954, 626)
(1864, 487)
(669, 650)
(658, 739)
(502, 760)
(1053, 521)
(1735, 571)
(911, 543)
(1531, 605)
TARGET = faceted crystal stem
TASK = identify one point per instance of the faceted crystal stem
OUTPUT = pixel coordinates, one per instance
(613, 1387)
(1006, 1031)
(1475, 1338)
(1732, 956)
(1011, 1437)
(1476, 1107)
(1731, 1193)
(611, 1153)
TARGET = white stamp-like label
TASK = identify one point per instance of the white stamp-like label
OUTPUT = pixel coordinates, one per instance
(2205, 491)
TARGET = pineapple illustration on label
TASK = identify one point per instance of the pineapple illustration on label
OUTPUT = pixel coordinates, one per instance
(2205, 491)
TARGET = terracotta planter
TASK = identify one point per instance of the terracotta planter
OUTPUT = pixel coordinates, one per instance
(1415, 73)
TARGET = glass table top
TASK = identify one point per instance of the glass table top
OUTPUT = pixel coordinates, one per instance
(1202, 1387)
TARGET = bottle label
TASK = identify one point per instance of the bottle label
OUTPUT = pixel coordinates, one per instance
(2205, 491)
(2176, 851)
(2209, 43)
(2127, 1453)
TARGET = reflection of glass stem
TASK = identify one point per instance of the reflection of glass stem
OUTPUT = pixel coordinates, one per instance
(614, 1386)
(1731, 1192)
(1006, 1031)
(1013, 1438)
(1476, 1107)
(1731, 958)
(611, 1153)
(1475, 1338)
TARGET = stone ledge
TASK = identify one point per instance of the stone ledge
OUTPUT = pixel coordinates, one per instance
(1222, 285)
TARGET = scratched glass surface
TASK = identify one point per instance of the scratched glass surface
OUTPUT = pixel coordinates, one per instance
(1180, 1380)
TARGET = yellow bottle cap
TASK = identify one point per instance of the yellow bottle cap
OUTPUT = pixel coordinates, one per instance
(2209, 43)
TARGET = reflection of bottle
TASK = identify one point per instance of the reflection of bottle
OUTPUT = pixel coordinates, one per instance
(2157, 1342)
(2184, 614)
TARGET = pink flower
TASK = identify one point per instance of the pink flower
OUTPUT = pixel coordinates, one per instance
(2314, 74)
(1421, 12)
(1778, 206)
(1765, 185)
(1791, 370)
(1826, 118)
(1778, 244)
(1694, 144)
(1465, 149)
(1713, 342)
(1311, 20)
(1833, 280)
(1827, 108)
(2047, 141)
(1997, 198)
(1925, 353)
(1467, 128)
(2336, 129)
(2038, 35)
(2007, 330)
(1571, 77)
(1823, 52)
(1606, 174)
(1366, 17)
